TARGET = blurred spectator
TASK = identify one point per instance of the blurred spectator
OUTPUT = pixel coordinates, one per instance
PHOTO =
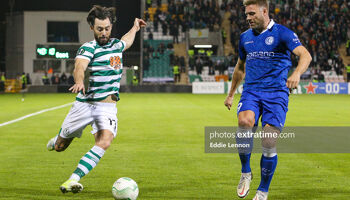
(135, 81)
(63, 79)
(199, 65)
(57, 79)
(169, 46)
(176, 72)
(211, 70)
(53, 79)
(71, 80)
(24, 81)
(174, 31)
(45, 79)
(146, 15)
(2, 82)
(29, 81)
(172, 59)
(164, 28)
(155, 24)
(192, 62)
(155, 54)
(219, 65)
(148, 4)
(182, 64)
(150, 35)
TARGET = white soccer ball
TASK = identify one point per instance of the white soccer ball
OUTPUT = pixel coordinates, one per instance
(125, 188)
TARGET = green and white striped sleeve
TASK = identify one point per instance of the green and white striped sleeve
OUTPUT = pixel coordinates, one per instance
(86, 51)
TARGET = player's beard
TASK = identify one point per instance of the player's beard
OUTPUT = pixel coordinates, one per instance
(102, 40)
(258, 25)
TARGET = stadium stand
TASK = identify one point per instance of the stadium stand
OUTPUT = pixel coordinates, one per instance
(322, 27)
(157, 61)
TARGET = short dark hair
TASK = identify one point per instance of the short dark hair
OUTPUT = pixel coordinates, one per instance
(264, 3)
(101, 13)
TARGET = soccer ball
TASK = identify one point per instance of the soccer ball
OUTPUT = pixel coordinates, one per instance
(125, 188)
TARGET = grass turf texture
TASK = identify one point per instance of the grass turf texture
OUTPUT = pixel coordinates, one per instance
(160, 145)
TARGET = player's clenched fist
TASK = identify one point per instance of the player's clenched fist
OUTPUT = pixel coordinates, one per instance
(293, 80)
(138, 23)
(228, 102)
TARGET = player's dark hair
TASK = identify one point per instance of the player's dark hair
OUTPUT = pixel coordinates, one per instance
(101, 13)
(264, 3)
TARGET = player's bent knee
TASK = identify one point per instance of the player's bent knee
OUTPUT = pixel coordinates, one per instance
(269, 143)
(270, 137)
(245, 122)
(246, 119)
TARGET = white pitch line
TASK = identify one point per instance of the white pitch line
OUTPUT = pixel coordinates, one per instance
(36, 113)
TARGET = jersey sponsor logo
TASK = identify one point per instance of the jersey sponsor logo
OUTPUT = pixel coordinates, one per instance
(269, 40)
(260, 54)
(66, 131)
(115, 62)
(296, 39)
(118, 45)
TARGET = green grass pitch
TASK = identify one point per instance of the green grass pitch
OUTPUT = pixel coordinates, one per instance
(160, 144)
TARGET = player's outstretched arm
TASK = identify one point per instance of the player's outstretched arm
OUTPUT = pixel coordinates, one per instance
(303, 64)
(79, 71)
(237, 77)
(129, 37)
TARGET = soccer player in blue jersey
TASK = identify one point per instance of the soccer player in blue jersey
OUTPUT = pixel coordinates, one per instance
(264, 61)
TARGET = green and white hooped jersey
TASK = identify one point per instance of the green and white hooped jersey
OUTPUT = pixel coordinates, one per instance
(104, 70)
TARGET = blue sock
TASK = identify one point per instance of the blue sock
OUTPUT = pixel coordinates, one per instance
(245, 161)
(268, 166)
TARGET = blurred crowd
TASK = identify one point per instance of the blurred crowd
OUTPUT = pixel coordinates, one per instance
(155, 52)
(183, 15)
(56, 79)
(322, 25)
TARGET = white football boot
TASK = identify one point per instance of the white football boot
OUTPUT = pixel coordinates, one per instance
(71, 186)
(51, 144)
(244, 184)
(260, 195)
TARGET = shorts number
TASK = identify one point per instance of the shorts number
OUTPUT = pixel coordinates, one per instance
(239, 106)
(113, 123)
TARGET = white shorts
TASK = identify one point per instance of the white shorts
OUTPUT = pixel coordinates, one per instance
(99, 115)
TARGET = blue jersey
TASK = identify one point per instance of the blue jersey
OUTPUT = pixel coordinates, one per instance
(267, 57)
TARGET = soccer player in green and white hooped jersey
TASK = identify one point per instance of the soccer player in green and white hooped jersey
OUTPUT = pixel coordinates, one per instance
(96, 105)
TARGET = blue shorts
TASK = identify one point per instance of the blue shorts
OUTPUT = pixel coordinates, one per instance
(271, 106)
